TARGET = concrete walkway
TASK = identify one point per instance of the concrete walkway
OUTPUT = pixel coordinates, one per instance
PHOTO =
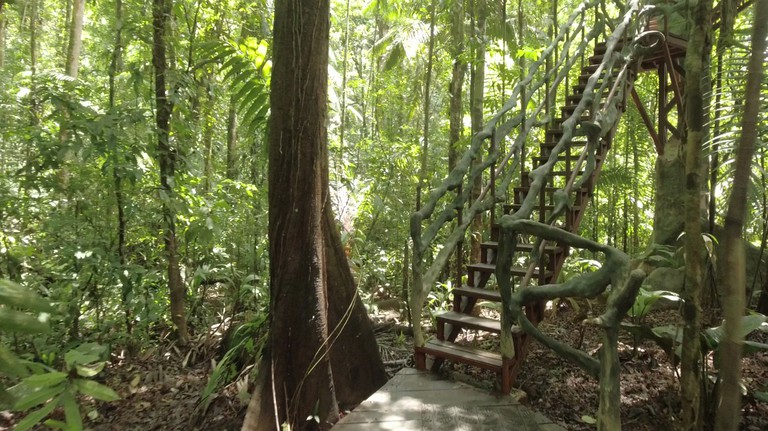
(417, 400)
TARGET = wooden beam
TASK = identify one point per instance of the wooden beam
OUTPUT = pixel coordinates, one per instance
(647, 121)
(675, 82)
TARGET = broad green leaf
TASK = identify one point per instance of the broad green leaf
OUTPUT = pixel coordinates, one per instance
(761, 396)
(96, 390)
(17, 321)
(91, 370)
(35, 396)
(45, 380)
(35, 417)
(58, 425)
(753, 346)
(714, 336)
(71, 412)
(84, 354)
(10, 364)
(14, 295)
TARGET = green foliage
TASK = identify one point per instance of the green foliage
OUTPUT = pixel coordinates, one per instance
(670, 337)
(42, 385)
(247, 65)
(52, 389)
(646, 299)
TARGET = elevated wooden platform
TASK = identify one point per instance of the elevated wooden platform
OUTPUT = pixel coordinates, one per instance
(419, 400)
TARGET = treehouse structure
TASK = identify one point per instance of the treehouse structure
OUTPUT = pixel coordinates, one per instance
(539, 168)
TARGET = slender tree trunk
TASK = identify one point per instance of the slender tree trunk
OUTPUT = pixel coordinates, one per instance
(729, 408)
(636, 196)
(456, 107)
(3, 23)
(166, 155)
(75, 39)
(115, 66)
(33, 18)
(476, 112)
(343, 107)
(208, 124)
(695, 67)
(71, 68)
(427, 95)
(232, 140)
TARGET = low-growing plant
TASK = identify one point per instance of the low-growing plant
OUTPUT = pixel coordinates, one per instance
(22, 311)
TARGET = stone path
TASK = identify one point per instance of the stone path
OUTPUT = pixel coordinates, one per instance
(416, 400)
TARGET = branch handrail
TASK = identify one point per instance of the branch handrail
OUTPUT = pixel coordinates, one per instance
(503, 170)
(594, 129)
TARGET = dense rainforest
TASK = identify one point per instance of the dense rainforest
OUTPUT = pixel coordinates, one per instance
(250, 214)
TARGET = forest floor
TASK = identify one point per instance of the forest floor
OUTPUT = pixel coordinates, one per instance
(160, 393)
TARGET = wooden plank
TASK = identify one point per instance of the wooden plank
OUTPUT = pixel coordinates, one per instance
(474, 292)
(491, 268)
(430, 406)
(521, 246)
(470, 322)
(468, 355)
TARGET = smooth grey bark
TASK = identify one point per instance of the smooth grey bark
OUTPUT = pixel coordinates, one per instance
(729, 408)
(75, 45)
(695, 66)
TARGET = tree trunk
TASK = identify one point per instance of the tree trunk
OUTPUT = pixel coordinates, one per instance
(166, 155)
(425, 125)
(232, 140)
(2, 34)
(115, 66)
(343, 105)
(75, 39)
(456, 107)
(477, 97)
(357, 368)
(695, 67)
(729, 408)
(33, 18)
(299, 388)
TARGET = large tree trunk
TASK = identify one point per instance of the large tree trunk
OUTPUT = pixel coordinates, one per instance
(669, 183)
(301, 388)
(695, 68)
(357, 367)
(729, 409)
(321, 350)
(166, 155)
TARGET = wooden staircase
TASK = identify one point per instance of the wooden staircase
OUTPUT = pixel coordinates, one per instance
(450, 324)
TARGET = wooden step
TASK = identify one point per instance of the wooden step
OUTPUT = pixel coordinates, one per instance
(585, 76)
(548, 145)
(547, 207)
(601, 47)
(463, 354)
(597, 58)
(467, 321)
(555, 173)
(477, 293)
(523, 247)
(490, 268)
(540, 160)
